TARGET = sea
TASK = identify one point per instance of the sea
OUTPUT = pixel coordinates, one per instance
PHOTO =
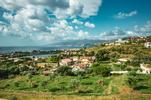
(29, 49)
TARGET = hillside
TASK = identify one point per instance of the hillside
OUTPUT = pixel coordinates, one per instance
(114, 73)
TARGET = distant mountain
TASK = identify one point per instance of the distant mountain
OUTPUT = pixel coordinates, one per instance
(76, 43)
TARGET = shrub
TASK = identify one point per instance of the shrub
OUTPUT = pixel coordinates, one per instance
(101, 70)
(54, 89)
(65, 71)
(74, 83)
(102, 55)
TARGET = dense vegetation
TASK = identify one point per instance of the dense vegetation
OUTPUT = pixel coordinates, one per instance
(139, 82)
(57, 84)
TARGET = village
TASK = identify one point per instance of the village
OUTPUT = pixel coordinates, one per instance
(77, 59)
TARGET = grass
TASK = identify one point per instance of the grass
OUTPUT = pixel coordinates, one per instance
(144, 85)
(72, 87)
(48, 96)
(59, 85)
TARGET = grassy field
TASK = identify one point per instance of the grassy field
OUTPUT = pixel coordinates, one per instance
(114, 88)
(9, 95)
(59, 85)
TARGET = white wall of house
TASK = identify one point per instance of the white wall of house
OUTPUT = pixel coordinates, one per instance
(145, 69)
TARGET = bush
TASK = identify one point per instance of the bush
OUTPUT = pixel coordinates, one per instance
(85, 91)
(43, 83)
(13, 98)
(29, 76)
(65, 71)
(102, 55)
(101, 70)
(16, 84)
(34, 85)
(54, 89)
(137, 82)
(74, 83)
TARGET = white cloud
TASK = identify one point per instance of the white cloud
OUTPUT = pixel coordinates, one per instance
(90, 7)
(76, 27)
(89, 25)
(29, 19)
(75, 21)
(61, 8)
(117, 31)
(123, 15)
(83, 35)
(144, 30)
(26, 21)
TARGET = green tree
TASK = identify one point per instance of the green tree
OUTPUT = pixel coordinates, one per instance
(102, 55)
(101, 70)
(64, 70)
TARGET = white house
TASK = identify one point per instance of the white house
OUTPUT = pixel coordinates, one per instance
(120, 41)
(146, 68)
(75, 59)
(147, 44)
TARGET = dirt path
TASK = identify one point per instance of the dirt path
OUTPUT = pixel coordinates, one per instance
(118, 83)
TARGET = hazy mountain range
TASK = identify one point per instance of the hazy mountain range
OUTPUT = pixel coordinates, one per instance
(76, 43)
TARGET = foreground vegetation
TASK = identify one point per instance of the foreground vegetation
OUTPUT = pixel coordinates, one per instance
(86, 85)
(48, 96)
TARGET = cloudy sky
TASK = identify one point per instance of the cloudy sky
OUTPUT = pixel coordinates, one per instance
(38, 22)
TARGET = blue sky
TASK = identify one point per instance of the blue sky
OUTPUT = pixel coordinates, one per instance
(38, 22)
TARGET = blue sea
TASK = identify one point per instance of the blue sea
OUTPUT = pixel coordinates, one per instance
(24, 49)
(31, 48)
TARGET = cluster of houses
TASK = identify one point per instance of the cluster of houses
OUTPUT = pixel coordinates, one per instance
(137, 38)
(78, 63)
(118, 42)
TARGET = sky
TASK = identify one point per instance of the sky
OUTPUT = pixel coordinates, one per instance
(40, 22)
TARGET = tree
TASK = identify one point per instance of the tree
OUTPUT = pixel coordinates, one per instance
(102, 55)
(101, 70)
(64, 70)
(53, 59)
(136, 81)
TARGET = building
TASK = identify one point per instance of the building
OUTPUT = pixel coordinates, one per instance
(122, 60)
(66, 62)
(75, 59)
(146, 68)
(147, 44)
(120, 41)
(79, 67)
(87, 60)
